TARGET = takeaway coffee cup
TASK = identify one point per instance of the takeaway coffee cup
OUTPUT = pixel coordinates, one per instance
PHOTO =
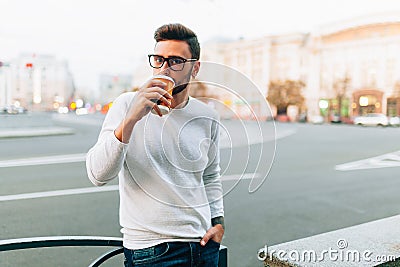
(170, 84)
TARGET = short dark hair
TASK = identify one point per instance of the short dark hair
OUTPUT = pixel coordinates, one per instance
(177, 31)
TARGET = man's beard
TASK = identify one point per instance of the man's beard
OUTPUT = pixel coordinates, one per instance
(179, 88)
(183, 84)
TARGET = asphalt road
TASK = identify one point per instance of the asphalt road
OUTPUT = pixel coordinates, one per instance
(302, 195)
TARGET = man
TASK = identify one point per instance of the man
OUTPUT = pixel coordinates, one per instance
(171, 208)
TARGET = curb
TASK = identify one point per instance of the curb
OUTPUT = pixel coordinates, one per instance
(32, 132)
(373, 243)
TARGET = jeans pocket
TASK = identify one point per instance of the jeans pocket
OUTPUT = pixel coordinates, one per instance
(149, 255)
(214, 243)
(126, 262)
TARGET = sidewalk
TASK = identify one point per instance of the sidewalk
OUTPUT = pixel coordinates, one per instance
(30, 125)
(34, 131)
(374, 243)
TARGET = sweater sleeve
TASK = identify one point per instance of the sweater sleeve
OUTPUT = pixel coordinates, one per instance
(105, 159)
(211, 175)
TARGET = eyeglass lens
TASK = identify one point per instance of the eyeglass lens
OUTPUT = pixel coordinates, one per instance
(174, 63)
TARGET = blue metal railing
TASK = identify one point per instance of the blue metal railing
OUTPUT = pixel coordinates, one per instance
(80, 241)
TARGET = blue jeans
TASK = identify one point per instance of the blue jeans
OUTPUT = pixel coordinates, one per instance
(190, 254)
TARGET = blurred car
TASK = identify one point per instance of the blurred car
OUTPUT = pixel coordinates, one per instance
(63, 110)
(372, 119)
(302, 117)
(335, 118)
(81, 111)
(13, 110)
(394, 121)
(348, 120)
(282, 118)
(317, 119)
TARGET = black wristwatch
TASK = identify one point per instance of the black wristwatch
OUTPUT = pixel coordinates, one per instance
(218, 220)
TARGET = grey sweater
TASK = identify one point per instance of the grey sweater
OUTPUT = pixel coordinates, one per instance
(169, 174)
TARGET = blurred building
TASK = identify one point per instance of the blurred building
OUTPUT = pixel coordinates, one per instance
(364, 50)
(111, 86)
(142, 72)
(349, 68)
(253, 63)
(36, 82)
(5, 84)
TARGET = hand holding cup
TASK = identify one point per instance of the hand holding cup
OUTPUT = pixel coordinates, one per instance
(162, 108)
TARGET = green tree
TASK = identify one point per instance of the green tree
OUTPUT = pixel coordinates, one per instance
(341, 87)
(285, 93)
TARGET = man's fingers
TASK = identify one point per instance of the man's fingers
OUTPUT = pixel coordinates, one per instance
(166, 101)
(158, 96)
(207, 237)
(155, 83)
(215, 233)
(204, 241)
(160, 87)
(157, 109)
(159, 90)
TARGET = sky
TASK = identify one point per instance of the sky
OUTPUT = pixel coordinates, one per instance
(114, 36)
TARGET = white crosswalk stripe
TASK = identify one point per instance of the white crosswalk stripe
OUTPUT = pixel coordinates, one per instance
(382, 161)
(106, 188)
(43, 160)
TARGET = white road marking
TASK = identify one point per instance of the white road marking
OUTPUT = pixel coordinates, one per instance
(56, 193)
(286, 133)
(244, 176)
(86, 120)
(89, 190)
(254, 137)
(27, 132)
(383, 161)
(43, 160)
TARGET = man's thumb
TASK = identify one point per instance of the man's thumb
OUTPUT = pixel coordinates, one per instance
(205, 239)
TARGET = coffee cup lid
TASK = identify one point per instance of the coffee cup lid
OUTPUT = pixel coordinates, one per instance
(161, 76)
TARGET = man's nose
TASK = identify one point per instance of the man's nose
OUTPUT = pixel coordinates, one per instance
(165, 69)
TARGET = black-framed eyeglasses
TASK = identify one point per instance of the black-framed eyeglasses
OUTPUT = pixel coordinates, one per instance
(175, 63)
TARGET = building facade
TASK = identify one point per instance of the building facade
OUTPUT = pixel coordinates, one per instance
(349, 68)
(364, 52)
(36, 82)
(111, 86)
(236, 77)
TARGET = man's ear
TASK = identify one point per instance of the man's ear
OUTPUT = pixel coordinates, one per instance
(196, 68)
